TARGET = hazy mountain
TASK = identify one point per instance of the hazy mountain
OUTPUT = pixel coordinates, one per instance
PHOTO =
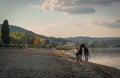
(104, 41)
(108, 40)
(81, 38)
(91, 39)
(20, 29)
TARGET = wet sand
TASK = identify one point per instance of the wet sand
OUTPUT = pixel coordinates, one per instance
(35, 63)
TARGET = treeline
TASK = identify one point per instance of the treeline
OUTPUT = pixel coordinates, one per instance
(22, 39)
(98, 42)
(27, 40)
(115, 43)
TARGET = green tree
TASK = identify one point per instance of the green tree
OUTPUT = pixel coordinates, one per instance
(24, 38)
(49, 46)
(30, 39)
(20, 39)
(47, 41)
(0, 34)
(16, 38)
(5, 33)
(0, 39)
(64, 43)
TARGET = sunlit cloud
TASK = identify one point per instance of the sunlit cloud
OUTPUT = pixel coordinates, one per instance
(74, 6)
(64, 17)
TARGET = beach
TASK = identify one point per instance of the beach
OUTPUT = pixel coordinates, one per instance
(37, 63)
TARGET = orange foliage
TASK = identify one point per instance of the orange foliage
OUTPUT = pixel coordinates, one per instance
(37, 41)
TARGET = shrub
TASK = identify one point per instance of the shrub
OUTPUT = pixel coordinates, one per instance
(64, 47)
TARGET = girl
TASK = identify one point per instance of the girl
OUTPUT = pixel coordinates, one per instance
(86, 53)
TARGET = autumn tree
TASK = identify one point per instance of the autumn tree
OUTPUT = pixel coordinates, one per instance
(36, 41)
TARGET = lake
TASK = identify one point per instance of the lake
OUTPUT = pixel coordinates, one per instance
(104, 56)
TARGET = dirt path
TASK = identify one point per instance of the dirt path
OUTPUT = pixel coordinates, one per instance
(33, 63)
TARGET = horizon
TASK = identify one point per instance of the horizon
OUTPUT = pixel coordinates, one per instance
(64, 18)
(64, 37)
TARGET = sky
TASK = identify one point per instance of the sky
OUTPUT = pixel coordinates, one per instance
(64, 18)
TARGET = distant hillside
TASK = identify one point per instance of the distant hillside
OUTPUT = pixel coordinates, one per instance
(115, 41)
(104, 41)
(80, 38)
(91, 39)
(19, 29)
(51, 39)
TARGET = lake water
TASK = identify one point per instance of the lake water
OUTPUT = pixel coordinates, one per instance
(104, 56)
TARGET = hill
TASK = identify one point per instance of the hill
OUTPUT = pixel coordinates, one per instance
(51, 39)
(103, 42)
(20, 29)
(88, 39)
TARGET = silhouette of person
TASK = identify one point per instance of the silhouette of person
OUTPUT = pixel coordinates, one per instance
(86, 53)
(76, 50)
(79, 53)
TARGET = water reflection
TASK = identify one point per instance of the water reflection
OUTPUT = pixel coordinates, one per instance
(104, 56)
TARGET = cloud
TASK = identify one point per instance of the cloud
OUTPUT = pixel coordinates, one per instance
(91, 22)
(67, 6)
(75, 29)
(112, 23)
(105, 2)
(74, 6)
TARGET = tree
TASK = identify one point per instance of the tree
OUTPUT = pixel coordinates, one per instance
(47, 41)
(0, 33)
(64, 43)
(5, 33)
(0, 39)
(20, 39)
(49, 46)
(37, 41)
(24, 39)
(30, 39)
(16, 38)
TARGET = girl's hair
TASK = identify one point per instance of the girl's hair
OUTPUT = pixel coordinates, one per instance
(82, 45)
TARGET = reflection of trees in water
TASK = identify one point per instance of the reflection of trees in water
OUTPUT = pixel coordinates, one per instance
(105, 51)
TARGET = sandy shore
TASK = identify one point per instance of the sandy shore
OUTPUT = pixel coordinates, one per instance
(35, 63)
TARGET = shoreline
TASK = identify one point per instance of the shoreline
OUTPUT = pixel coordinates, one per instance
(99, 60)
(35, 63)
